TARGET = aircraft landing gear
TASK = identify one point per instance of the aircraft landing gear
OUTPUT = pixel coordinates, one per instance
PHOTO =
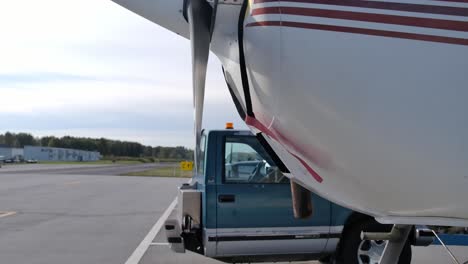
(396, 241)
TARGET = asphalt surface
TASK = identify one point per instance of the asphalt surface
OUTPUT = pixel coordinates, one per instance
(64, 218)
(53, 214)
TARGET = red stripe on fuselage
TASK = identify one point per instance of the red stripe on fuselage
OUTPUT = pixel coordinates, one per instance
(309, 169)
(407, 7)
(363, 31)
(366, 17)
(251, 121)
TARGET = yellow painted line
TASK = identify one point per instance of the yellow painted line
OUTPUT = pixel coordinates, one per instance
(5, 214)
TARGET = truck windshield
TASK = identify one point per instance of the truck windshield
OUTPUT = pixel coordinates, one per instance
(246, 161)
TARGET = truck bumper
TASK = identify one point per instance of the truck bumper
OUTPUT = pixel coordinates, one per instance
(184, 232)
(173, 235)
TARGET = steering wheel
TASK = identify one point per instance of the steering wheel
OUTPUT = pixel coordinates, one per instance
(257, 172)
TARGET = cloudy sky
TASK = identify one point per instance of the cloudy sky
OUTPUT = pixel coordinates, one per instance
(92, 68)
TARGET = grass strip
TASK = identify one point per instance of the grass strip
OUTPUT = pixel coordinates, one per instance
(174, 172)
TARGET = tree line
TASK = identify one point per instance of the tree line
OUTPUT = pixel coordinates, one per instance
(106, 147)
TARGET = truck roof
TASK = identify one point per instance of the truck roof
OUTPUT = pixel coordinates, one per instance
(233, 131)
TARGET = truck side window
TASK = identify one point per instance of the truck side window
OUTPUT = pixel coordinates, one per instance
(201, 161)
(246, 161)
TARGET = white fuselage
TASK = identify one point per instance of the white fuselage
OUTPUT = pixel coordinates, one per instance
(364, 101)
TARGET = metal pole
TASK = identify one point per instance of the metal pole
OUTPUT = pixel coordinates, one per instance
(455, 260)
(394, 247)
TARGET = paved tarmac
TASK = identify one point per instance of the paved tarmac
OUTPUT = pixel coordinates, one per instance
(54, 214)
(57, 218)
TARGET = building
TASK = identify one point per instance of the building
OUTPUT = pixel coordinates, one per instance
(11, 153)
(59, 154)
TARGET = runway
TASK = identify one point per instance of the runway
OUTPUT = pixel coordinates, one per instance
(54, 214)
(81, 169)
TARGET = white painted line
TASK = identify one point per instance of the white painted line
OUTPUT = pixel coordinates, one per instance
(146, 242)
(5, 214)
(159, 244)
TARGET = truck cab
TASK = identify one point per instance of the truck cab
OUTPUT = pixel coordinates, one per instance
(238, 208)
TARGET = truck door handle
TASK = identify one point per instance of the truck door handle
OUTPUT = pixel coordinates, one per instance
(226, 198)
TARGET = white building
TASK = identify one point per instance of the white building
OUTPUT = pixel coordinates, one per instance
(11, 153)
(59, 154)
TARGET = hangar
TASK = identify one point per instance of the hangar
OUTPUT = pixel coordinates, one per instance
(59, 154)
(11, 153)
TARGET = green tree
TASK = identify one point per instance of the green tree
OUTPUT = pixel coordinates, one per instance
(24, 139)
(9, 139)
(54, 143)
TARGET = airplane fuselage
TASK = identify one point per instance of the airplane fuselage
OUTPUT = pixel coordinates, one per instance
(364, 101)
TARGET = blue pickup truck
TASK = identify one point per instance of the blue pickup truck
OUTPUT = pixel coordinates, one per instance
(238, 208)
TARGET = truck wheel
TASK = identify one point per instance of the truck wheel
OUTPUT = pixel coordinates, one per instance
(357, 251)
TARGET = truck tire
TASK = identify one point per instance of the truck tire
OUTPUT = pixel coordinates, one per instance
(356, 251)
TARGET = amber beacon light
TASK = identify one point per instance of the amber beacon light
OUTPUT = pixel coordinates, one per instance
(229, 125)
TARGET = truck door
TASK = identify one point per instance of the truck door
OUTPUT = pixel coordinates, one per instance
(254, 206)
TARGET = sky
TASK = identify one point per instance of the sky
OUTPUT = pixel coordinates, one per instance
(92, 68)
